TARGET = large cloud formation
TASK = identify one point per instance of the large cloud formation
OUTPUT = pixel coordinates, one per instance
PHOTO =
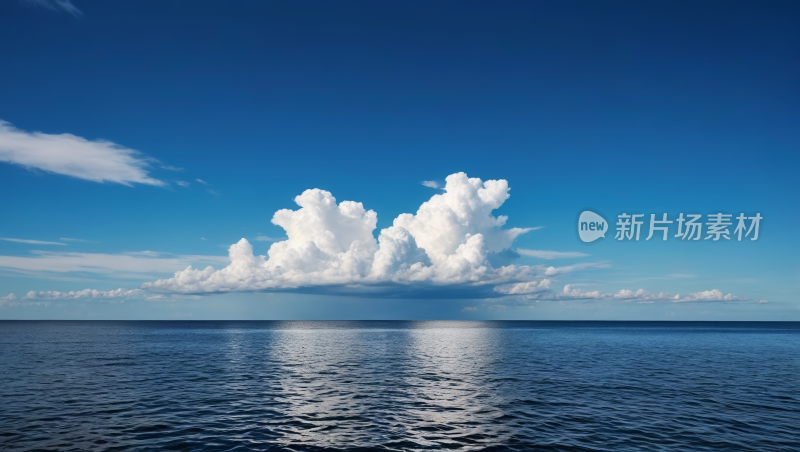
(449, 241)
(451, 247)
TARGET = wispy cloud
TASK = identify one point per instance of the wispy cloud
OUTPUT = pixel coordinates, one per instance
(145, 253)
(644, 296)
(430, 183)
(264, 238)
(202, 181)
(182, 183)
(523, 288)
(74, 156)
(553, 271)
(141, 262)
(55, 5)
(66, 239)
(543, 254)
(32, 242)
(203, 238)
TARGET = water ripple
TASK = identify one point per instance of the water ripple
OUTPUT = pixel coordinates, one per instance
(323, 386)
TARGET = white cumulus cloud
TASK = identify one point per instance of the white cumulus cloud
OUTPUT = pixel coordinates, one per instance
(445, 249)
(447, 242)
(443, 223)
(70, 155)
(523, 288)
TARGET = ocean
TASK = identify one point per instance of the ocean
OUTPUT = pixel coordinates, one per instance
(399, 385)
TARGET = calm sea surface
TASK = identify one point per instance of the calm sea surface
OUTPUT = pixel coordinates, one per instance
(551, 386)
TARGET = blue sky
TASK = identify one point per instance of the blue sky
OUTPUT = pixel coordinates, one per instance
(615, 107)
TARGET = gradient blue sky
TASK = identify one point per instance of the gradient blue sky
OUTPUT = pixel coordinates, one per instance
(644, 107)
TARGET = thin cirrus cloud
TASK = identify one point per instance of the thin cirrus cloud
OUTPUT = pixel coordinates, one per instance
(33, 242)
(265, 238)
(444, 250)
(134, 264)
(430, 183)
(543, 254)
(74, 156)
(55, 5)
(553, 271)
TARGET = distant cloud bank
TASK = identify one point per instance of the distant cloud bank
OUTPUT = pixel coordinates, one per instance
(644, 296)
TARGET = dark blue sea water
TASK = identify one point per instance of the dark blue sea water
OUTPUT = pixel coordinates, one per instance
(550, 386)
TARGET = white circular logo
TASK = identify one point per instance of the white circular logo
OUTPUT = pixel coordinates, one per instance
(591, 226)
